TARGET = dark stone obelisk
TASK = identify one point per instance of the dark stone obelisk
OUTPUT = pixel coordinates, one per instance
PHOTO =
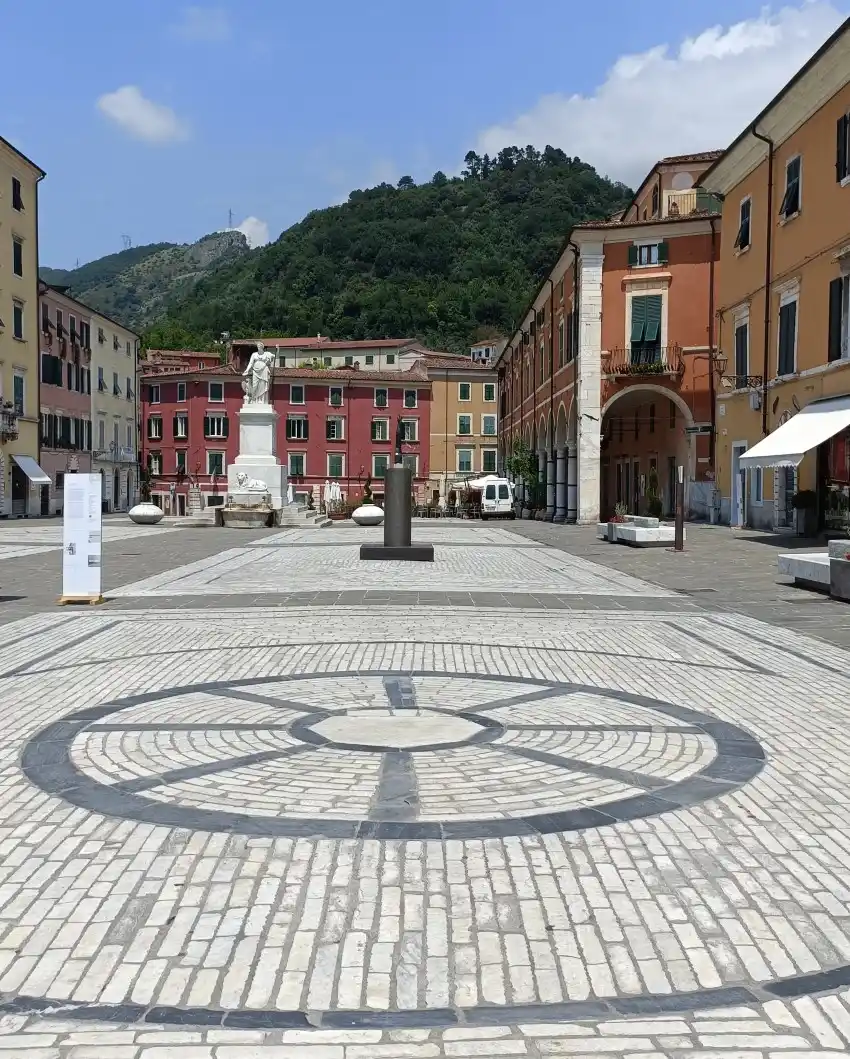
(398, 515)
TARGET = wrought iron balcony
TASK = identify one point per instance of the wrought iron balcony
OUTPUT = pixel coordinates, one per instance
(742, 382)
(643, 360)
(8, 423)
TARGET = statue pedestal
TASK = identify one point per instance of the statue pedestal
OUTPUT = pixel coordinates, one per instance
(258, 453)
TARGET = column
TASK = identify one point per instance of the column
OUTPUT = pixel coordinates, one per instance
(540, 497)
(572, 482)
(589, 396)
(560, 486)
(550, 486)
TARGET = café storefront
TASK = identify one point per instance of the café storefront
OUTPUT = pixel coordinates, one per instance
(819, 432)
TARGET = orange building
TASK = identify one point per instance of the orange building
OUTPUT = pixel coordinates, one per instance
(610, 377)
(784, 303)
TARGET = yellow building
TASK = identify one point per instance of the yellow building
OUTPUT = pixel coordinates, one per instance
(784, 303)
(464, 422)
(21, 479)
(114, 412)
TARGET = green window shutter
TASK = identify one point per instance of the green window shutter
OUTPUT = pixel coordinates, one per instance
(633, 256)
(206, 426)
(835, 293)
(663, 253)
(842, 151)
(652, 329)
(226, 426)
(638, 318)
(306, 433)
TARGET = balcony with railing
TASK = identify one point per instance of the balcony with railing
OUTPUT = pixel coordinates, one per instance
(8, 422)
(695, 200)
(641, 360)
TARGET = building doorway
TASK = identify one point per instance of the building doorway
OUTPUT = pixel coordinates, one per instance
(116, 491)
(738, 512)
(20, 490)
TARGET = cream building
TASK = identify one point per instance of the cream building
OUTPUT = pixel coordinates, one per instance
(114, 389)
(22, 482)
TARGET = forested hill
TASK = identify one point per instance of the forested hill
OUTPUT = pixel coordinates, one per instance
(444, 261)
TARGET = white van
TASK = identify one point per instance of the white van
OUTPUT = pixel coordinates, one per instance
(497, 496)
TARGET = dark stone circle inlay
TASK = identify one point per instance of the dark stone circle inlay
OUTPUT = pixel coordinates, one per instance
(47, 763)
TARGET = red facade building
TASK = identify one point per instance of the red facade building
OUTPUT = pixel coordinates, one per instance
(336, 424)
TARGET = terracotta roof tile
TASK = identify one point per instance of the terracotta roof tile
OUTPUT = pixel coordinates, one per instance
(415, 374)
(327, 343)
(699, 156)
(695, 216)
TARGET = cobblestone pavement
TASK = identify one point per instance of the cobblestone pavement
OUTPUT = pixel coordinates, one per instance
(404, 828)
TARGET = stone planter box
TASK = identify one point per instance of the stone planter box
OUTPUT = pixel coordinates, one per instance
(839, 579)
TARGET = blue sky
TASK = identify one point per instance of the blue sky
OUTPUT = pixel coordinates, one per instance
(154, 119)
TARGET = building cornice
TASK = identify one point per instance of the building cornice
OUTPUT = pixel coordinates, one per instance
(814, 84)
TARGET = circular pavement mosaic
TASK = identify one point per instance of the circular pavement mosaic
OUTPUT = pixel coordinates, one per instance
(389, 755)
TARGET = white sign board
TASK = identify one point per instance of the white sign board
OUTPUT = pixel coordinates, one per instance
(82, 533)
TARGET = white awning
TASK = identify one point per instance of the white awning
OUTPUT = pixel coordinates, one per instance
(810, 427)
(32, 470)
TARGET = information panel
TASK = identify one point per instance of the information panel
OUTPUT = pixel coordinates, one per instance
(82, 538)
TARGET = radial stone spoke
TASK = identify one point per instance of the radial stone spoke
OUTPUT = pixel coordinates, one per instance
(607, 772)
(684, 729)
(199, 727)
(397, 797)
(520, 700)
(262, 700)
(208, 768)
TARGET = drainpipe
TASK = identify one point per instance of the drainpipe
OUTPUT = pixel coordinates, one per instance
(768, 270)
(712, 443)
(446, 440)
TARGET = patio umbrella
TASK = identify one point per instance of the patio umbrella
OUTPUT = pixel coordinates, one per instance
(327, 493)
(290, 494)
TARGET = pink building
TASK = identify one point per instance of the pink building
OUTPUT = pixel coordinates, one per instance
(65, 392)
(335, 423)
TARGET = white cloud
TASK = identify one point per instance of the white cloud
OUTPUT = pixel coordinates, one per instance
(254, 230)
(140, 117)
(696, 97)
(203, 23)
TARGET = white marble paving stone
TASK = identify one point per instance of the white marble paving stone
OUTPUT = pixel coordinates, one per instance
(724, 892)
(302, 568)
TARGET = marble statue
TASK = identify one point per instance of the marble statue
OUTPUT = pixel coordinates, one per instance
(258, 376)
(250, 485)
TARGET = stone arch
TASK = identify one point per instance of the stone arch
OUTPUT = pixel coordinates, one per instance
(561, 427)
(680, 403)
(623, 456)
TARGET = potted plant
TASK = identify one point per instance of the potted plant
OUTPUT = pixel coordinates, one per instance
(521, 463)
(368, 513)
(805, 503)
(337, 510)
(619, 517)
(654, 506)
